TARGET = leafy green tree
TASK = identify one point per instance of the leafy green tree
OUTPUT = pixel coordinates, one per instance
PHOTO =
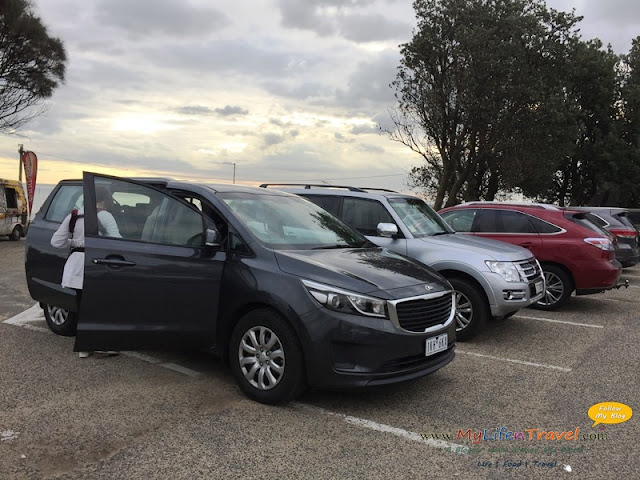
(480, 94)
(32, 64)
(591, 159)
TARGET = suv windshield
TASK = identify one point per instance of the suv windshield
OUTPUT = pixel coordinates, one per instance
(291, 223)
(419, 217)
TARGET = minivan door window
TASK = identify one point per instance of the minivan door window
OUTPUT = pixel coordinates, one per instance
(66, 199)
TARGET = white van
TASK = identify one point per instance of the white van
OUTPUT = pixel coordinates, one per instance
(13, 209)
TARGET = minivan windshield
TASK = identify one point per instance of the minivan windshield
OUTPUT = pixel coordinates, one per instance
(419, 217)
(291, 223)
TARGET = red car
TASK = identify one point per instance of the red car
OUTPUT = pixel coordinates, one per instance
(574, 253)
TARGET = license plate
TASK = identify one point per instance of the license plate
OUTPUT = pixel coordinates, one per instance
(436, 344)
(539, 286)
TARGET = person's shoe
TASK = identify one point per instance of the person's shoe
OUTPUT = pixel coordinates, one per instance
(84, 354)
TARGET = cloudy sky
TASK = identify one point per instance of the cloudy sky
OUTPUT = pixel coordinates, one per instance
(287, 90)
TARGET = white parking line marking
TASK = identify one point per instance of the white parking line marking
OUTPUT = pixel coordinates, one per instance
(559, 321)
(181, 369)
(609, 300)
(32, 314)
(143, 357)
(520, 362)
(381, 427)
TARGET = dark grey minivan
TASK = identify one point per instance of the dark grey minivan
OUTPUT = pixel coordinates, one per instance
(284, 291)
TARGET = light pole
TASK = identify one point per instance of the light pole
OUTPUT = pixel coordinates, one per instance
(20, 153)
(234, 169)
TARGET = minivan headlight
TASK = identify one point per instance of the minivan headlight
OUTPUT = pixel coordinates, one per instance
(345, 301)
(506, 270)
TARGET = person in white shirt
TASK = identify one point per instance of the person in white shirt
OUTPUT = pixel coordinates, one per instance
(70, 234)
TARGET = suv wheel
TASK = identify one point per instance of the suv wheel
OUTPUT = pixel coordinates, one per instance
(15, 234)
(557, 290)
(266, 358)
(471, 309)
(60, 321)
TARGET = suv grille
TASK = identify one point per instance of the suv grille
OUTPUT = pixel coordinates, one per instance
(529, 269)
(418, 314)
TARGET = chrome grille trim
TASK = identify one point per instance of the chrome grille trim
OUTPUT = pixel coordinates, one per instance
(529, 269)
(393, 312)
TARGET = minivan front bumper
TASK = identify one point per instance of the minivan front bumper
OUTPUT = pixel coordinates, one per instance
(347, 351)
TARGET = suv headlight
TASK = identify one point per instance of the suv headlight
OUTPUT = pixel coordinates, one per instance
(345, 301)
(506, 270)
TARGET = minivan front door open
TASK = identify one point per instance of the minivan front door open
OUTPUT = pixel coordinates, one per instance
(153, 284)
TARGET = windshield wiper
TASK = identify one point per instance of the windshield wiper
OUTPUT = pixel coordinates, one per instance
(440, 233)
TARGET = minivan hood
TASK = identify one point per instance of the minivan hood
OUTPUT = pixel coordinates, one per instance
(360, 270)
(491, 249)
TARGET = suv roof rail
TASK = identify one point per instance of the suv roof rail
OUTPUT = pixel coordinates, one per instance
(309, 185)
(326, 185)
(377, 189)
(546, 206)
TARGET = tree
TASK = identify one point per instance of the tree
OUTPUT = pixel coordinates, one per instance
(32, 64)
(480, 94)
(592, 157)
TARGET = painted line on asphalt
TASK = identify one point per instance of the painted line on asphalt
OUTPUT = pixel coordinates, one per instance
(35, 314)
(381, 427)
(541, 319)
(520, 362)
(142, 357)
(181, 369)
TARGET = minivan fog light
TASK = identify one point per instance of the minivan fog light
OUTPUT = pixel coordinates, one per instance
(346, 302)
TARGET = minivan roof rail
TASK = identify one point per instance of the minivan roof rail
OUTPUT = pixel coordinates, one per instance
(325, 185)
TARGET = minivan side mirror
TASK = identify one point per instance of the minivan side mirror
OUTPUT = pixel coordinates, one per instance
(212, 237)
(387, 230)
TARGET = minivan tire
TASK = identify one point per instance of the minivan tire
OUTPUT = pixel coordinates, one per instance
(266, 358)
(15, 235)
(60, 321)
(558, 288)
(471, 308)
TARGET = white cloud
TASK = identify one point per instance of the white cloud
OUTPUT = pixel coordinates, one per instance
(286, 89)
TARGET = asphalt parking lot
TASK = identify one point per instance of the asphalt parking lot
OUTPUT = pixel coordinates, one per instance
(180, 415)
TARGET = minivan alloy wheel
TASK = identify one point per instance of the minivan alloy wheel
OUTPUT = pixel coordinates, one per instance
(261, 357)
(60, 321)
(58, 315)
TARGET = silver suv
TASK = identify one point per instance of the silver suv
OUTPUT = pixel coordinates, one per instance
(490, 278)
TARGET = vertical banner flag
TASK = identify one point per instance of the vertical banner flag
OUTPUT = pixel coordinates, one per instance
(30, 162)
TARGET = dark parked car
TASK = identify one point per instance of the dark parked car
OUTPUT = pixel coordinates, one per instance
(616, 222)
(283, 290)
(575, 254)
(633, 214)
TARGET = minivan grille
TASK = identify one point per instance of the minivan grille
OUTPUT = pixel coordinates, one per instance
(419, 314)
